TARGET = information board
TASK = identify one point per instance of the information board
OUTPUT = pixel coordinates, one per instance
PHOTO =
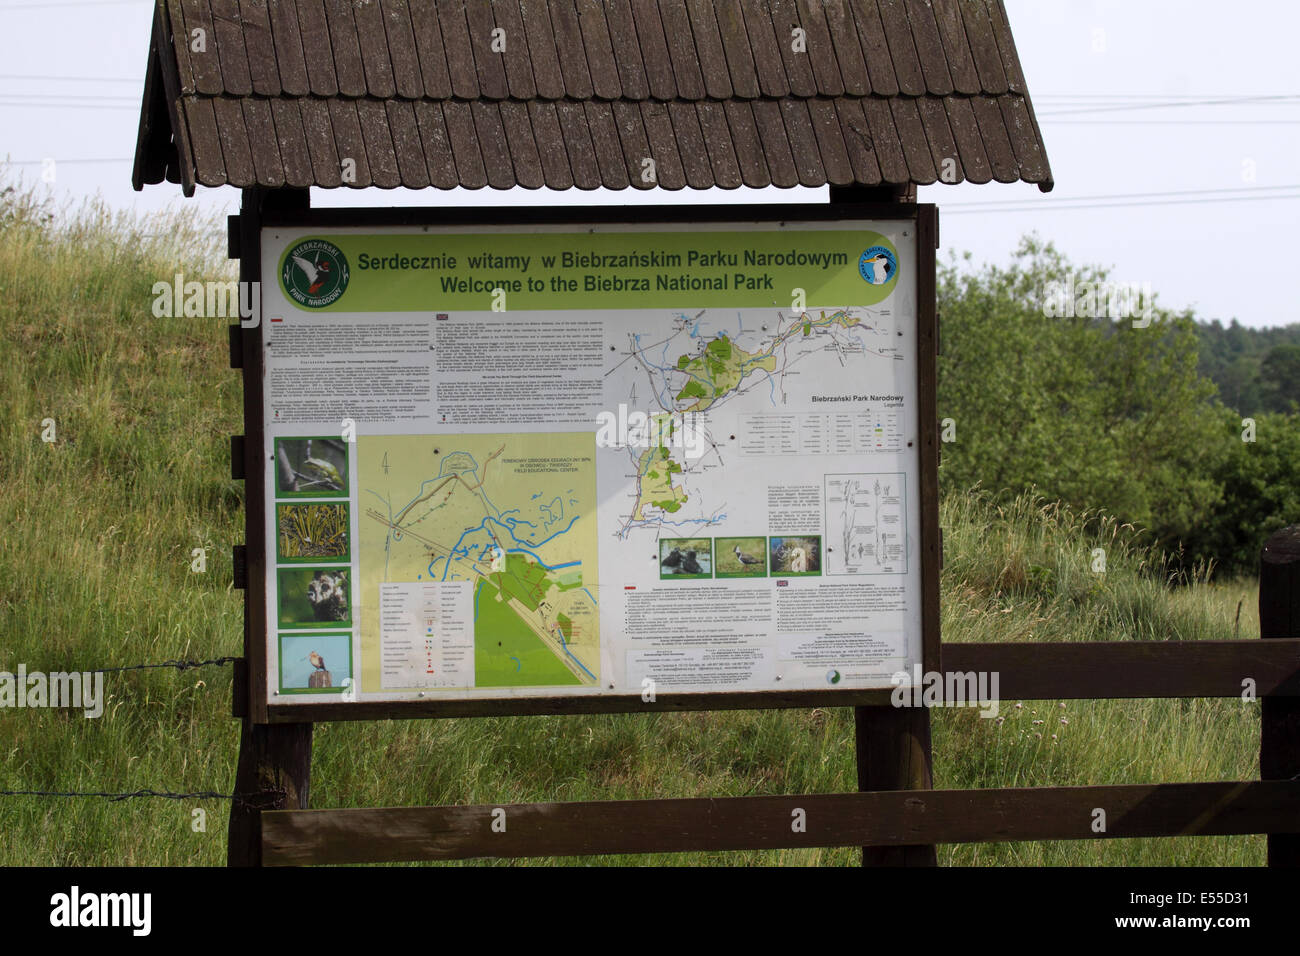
(512, 461)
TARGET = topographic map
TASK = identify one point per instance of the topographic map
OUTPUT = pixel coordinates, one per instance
(506, 519)
(697, 377)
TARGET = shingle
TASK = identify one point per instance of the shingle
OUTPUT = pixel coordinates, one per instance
(830, 141)
(456, 48)
(402, 50)
(768, 60)
(568, 43)
(233, 132)
(608, 145)
(983, 47)
(349, 142)
(287, 42)
(579, 145)
(997, 143)
(902, 48)
(268, 167)
(966, 132)
(740, 55)
(681, 49)
(943, 146)
(429, 46)
(717, 140)
(1023, 133)
(661, 145)
(373, 41)
(654, 49)
(776, 143)
(884, 136)
(605, 82)
(929, 47)
(204, 61)
(875, 48)
(493, 144)
(201, 121)
(820, 55)
(708, 46)
(749, 147)
(557, 173)
(800, 67)
(464, 144)
(260, 47)
(489, 63)
(857, 140)
(407, 146)
(633, 81)
(516, 59)
(688, 140)
(346, 45)
(438, 157)
(542, 49)
(803, 142)
(523, 146)
(956, 48)
(229, 34)
(295, 156)
(378, 137)
(916, 145)
(319, 130)
(313, 30)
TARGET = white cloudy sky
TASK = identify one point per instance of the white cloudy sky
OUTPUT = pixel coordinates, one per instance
(1209, 191)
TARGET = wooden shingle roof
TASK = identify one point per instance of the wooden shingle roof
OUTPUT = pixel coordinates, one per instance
(579, 93)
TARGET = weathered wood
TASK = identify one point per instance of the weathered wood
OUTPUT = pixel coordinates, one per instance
(272, 774)
(1279, 733)
(894, 819)
(893, 753)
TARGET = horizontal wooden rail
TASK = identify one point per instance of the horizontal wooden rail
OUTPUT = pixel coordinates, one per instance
(894, 818)
(1026, 671)
(1120, 669)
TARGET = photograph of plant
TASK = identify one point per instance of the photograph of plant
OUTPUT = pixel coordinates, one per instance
(312, 532)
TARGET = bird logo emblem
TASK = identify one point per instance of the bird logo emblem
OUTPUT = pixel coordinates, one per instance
(314, 273)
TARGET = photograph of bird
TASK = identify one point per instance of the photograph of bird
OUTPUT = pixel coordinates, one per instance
(316, 272)
(798, 561)
(317, 661)
(744, 558)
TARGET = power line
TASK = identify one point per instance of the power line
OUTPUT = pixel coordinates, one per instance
(1282, 99)
(71, 79)
(1030, 206)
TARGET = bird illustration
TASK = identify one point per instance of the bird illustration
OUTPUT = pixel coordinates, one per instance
(321, 472)
(317, 661)
(315, 272)
(798, 561)
(744, 558)
(879, 269)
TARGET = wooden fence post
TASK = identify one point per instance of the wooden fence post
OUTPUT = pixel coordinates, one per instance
(1279, 729)
(893, 748)
(272, 757)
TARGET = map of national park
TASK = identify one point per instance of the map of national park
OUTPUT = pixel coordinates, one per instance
(509, 517)
(705, 360)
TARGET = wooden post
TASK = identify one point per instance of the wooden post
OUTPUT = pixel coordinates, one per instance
(1279, 730)
(893, 743)
(893, 747)
(272, 757)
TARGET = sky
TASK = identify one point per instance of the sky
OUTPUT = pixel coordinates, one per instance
(1172, 128)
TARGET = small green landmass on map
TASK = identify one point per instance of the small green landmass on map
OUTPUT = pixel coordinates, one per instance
(506, 651)
(693, 389)
(523, 580)
(719, 371)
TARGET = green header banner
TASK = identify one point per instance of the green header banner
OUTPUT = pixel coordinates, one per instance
(550, 271)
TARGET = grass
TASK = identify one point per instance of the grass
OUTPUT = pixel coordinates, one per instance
(101, 524)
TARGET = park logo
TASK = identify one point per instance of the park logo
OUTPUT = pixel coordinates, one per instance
(878, 265)
(314, 273)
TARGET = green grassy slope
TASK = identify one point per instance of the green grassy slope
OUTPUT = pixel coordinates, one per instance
(95, 571)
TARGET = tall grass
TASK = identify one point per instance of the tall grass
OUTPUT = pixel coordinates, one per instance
(95, 571)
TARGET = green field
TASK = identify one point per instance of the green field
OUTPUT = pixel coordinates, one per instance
(515, 655)
(95, 572)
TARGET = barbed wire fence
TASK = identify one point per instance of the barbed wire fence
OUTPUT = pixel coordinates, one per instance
(259, 800)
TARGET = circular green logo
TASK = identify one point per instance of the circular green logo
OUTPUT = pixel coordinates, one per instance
(314, 273)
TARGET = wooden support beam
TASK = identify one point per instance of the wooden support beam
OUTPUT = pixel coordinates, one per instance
(1279, 733)
(897, 819)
